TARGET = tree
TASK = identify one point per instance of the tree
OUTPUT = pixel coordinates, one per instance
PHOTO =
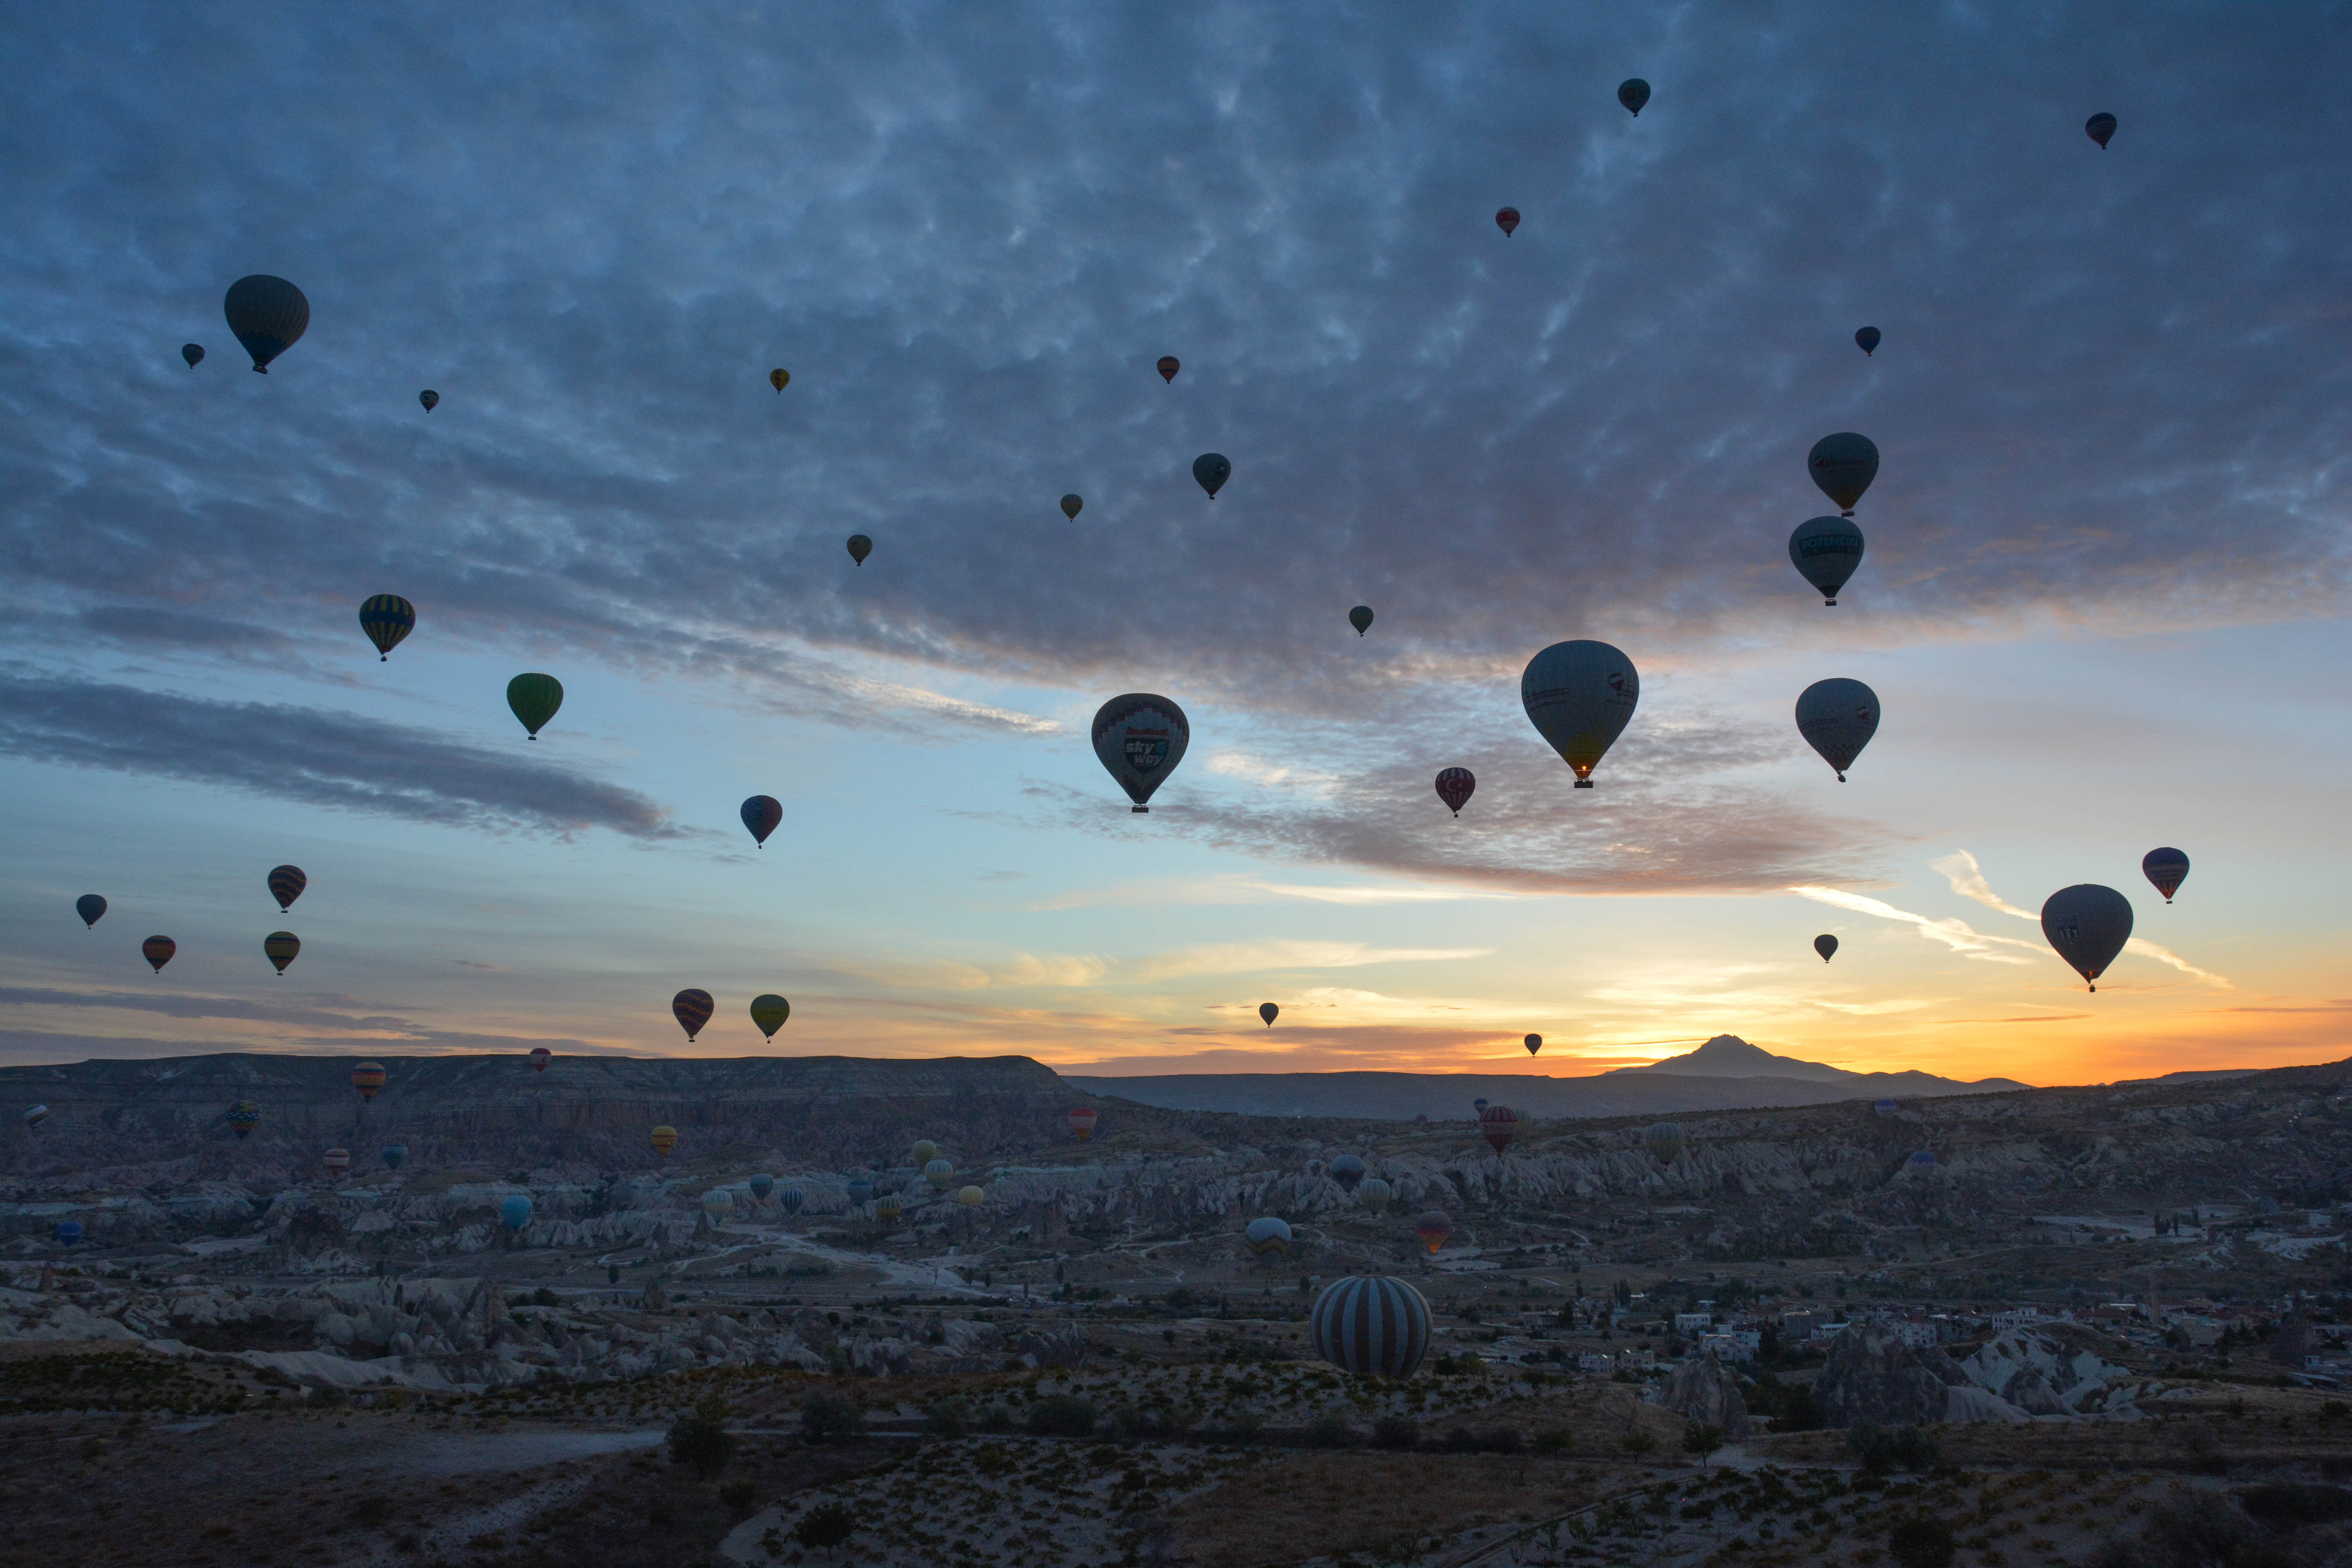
(825, 1416)
(827, 1524)
(1922, 1540)
(1699, 1440)
(699, 1439)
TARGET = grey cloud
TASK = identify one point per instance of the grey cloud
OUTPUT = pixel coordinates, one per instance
(308, 754)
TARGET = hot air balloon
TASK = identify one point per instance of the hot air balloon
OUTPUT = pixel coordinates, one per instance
(761, 814)
(1269, 1012)
(1434, 1228)
(1507, 220)
(285, 884)
(243, 1118)
(1360, 617)
(792, 1198)
(1478, 1104)
(769, 1011)
(2168, 868)
(924, 1151)
(1922, 1160)
(971, 1197)
(534, 698)
(664, 1139)
(779, 378)
(368, 1078)
(2100, 127)
(888, 1207)
(1211, 469)
(268, 315)
(1826, 551)
(540, 1057)
(1837, 718)
(1534, 1043)
(1374, 1191)
(69, 1231)
(718, 1205)
(1169, 366)
(939, 1172)
(1580, 696)
(761, 1184)
(1082, 1123)
(1455, 786)
(514, 1210)
(394, 1155)
(158, 951)
(34, 1116)
(280, 947)
(1633, 92)
(1140, 739)
(1826, 945)
(1072, 505)
(1370, 1327)
(89, 906)
(861, 1191)
(1664, 1140)
(1347, 1170)
(386, 618)
(692, 1009)
(1265, 1236)
(1883, 1106)
(430, 398)
(860, 547)
(1842, 465)
(193, 353)
(2088, 924)
(1499, 1124)
(337, 1162)
(1867, 340)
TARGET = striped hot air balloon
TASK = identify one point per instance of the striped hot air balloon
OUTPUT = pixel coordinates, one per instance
(1374, 1191)
(285, 884)
(887, 1208)
(692, 1009)
(280, 947)
(1266, 1235)
(664, 1139)
(243, 1118)
(386, 618)
(792, 1198)
(34, 1116)
(337, 1161)
(1374, 1327)
(1499, 1124)
(158, 951)
(718, 1205)
(939, 1172)
(1664, 1140)
(1082, 1123)
(368, 1078)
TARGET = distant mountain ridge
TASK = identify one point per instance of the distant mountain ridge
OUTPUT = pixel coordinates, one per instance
(1726, 1073)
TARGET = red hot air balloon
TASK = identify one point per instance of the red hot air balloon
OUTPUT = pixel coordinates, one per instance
(368, 1078)
(1455, 786)
(693, 1010)
(1169, 366)
(1506, 219)
(1500, 1124)
(337, 1161)
(1082, 1123)
(761, 814)
(1434, 1229)
(159, 951)
(540, 1057)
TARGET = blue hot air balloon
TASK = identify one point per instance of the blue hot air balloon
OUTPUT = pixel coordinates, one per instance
(394, 1156)
(792, 1198)
(89, 906)
(861, 1191)
(68, 1232)
(1347, 1170)
(761, 814)
(1922, 1160)
(515, 1210)
(761, 1185)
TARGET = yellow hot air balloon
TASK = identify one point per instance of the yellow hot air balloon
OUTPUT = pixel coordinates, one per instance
(971, 1197)
(664, 1139)
(779, 378)
(769, 1011)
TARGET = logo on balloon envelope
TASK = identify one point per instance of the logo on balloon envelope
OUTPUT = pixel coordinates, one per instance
(1145, 753)
(1580, 695)
(1139, 738)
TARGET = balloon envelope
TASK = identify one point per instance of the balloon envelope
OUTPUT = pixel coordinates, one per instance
(1826, 945)
(1375, 1327)
(243, 1118)
(792, 1198)
(35, 1115)
(769, 1011)
(1454, 787)
(1434, 1229)
(1507, 220)
(1867, 339)
(285, 884)
(515, 1210)
(386, 618)
(1842, 465)
(1347, 1170)
(718, 1204)
(1360, 617)
(1082, 1123)
(1664, 1140)
(1269, 1012)
(761, 1185)
(534, 698)
(1498, 1124)
(193, 353)
(1534, 1043)
(2099, 128)
(394, 1156)
(2166, 869)
(1922, 1160)
(2088, 924)
(779, 378)
(1169, 366)
(940, 1173)
(337, 1161)
(663, 1139)
(368, 1078)
(430, 398)
(1211, 469)
(158, 951)
(1140, 739)
(280, 947)
(971, 1197)
(861, 1191)
(1580, 695)
(1375, 1190)
(1633, 92)
(1883, 1106)
(268, 315)
(1837, 718)
(761, 814)
(888, 1207)
(924, 1151)
(1072, 505)
(68, 1232)
(1827, 551)
(1266, 1235)
(692, 1009)
(540, 1057)
(860, 547)
(89, 906)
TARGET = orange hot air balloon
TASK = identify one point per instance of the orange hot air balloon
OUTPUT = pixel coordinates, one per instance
(1500, 1124)
(1434, 1228)
(693, 1009)
(368, 1078)
(1082, 1123)
(664, 1139)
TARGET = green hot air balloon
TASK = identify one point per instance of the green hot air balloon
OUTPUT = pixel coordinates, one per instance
(1826, 551)
(769, 1011)
(1140, 739)
(1580, 696)
(1837, 718)
(534, 698)
(1842, 465)
(860, 547)
(268, 315)
(1360, 617)
(1071, 506)
(2088, 924)
(924, 1151)
(1213, 469)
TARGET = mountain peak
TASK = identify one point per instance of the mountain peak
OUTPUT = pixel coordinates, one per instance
(1728, 1055)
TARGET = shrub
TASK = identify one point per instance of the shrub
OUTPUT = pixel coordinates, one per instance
(1329, 1430)
(1396, 1432)
(1553, 1440)
(543, 1297)
(1700, 1439)
(1638, 1442)
(827, 1524)
(1499, 1440)
(825, 1417)
(1922, 1540)
(1061, 1415)
(947, 1418)
(699, 1439)
(1242, 1427)
(2290, 1505)
(1182, 1299)
(1460, 1441)
(995, 1418)
(1883, 1449)
(741, 1498)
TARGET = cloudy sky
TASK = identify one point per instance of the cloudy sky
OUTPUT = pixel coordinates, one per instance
(2102, 604)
